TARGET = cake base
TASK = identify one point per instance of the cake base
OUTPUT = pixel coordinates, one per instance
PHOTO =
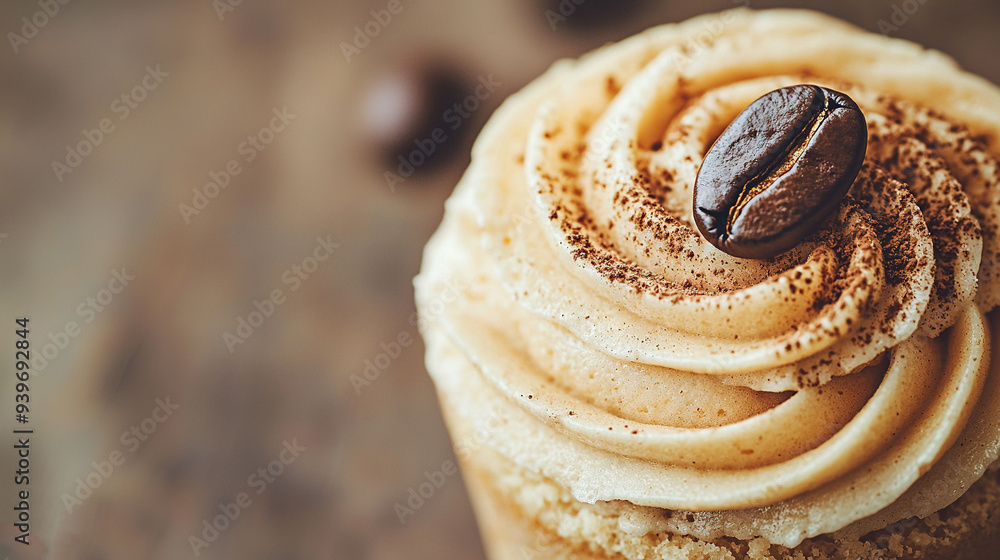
(524, 516)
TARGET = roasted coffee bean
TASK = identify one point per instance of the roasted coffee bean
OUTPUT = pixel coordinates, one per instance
(779, 170)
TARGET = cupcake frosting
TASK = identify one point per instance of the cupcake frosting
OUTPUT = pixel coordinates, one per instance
(841, 386)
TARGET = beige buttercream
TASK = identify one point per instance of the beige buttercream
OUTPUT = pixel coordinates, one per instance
(568, 293)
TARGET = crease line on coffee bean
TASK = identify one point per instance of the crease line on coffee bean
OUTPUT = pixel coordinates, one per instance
(783, 164)
(778, 171)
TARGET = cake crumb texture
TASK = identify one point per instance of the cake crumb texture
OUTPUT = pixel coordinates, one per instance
(526, 516)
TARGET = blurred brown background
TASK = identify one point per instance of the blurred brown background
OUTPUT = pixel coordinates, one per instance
(196, 217)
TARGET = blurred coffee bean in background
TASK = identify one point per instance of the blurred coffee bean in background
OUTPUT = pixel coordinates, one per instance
(412, 115)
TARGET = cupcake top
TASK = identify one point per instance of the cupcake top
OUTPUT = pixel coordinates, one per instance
(841, 385)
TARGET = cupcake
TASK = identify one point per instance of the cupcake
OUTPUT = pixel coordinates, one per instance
(623, 379)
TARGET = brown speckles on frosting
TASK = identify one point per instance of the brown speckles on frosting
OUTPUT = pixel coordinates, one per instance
(857, 286)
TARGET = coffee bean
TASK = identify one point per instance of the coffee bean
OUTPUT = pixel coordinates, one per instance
(407, 106)
(779, 170)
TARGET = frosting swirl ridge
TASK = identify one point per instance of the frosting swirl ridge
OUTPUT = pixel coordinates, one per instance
(665, 373)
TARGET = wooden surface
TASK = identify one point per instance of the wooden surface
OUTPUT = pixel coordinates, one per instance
(162, 336)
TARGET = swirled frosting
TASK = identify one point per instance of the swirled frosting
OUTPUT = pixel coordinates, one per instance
(568, 292)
